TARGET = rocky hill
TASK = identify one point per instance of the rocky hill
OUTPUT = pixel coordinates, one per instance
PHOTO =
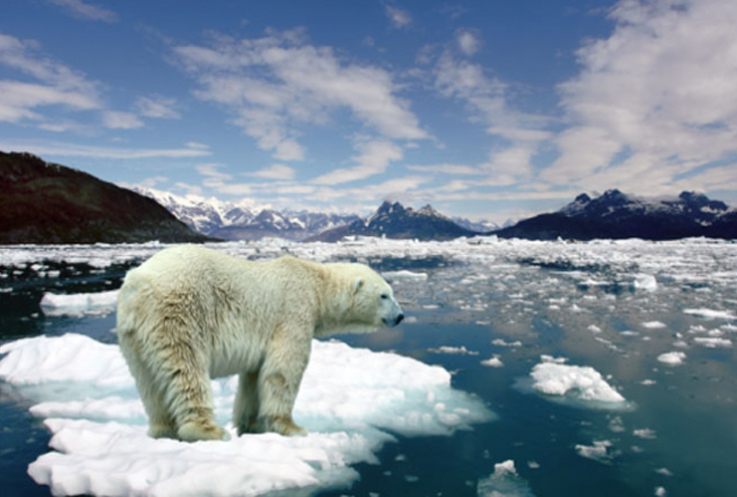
(393, 220)
(45, 203)
(616, 215)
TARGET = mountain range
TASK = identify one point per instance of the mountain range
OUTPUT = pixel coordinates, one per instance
(616, 215)
(42, 202)
(393, 220)
(47, 203)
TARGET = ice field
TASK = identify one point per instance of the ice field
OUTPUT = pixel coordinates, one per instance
(523, 368)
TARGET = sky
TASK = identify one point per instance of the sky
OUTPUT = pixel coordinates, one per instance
(495, 109)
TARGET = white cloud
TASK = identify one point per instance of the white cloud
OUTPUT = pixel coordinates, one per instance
(52, 148)
(653, 101)
(275, 171)
(398, 17)
(157, 107)
(58, 84)
(17, 100)
(120, 120)
(276, 85)
(374, 158)
(86, 11)
(468, 42)
(487, 100)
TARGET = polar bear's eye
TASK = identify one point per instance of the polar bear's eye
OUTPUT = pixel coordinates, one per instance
(384, 296)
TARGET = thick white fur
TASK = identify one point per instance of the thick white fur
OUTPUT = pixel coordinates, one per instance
(190, 313)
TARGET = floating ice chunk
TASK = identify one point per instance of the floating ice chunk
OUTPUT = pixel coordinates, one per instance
(349, 401)
(645, 433)
(79, 303)
(672, 358)
(645, 282)
(493, 362)
(713, 342)
(504, 482)
(660, 492)
(404, 275)
(653, 325)
(601, 451)
(710, 313)
(500, 342)
(447, 349)
(580, 382)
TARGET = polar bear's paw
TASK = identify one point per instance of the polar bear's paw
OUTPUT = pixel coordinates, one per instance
(284, 425)
(194, 431)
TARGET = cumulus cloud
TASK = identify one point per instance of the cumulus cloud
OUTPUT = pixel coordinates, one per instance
(86, 11)
(120, 120)
(655, 102)
(487, 100)
(157, 107)
(398, 17)
(374, 157)
(275, 85)
(58, 85)
(275, 171)
(76, 150)
(468, 42)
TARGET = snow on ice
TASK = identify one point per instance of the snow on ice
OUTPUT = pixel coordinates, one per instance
(504, 482)
(77, 304)
(583, 383)
(672, 358)
(349, 401)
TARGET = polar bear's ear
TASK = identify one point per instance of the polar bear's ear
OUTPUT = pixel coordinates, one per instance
(357, 284)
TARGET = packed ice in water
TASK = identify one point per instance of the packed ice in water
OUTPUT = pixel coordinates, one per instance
(672, 358)
(504, 482)
(349, 401)
(554, 377)
(78, 304)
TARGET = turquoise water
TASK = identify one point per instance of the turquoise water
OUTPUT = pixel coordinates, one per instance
(676, 435)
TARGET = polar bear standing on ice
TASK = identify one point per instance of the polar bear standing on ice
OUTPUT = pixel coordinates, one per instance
(190, 313)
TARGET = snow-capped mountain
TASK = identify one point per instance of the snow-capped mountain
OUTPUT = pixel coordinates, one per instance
(393, 220)
(244, 220)
(617, 215)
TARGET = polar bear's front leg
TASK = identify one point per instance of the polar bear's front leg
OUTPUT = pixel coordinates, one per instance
(279, 380)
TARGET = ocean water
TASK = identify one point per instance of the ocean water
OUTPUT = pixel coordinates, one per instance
(604, 368)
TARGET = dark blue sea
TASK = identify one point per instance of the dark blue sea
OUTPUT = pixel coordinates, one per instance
(656, 321)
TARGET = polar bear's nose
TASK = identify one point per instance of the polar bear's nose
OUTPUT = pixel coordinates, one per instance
(399, 318)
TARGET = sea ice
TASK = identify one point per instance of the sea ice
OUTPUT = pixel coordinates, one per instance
(504, 482)
(79, 303)
(645, 282)
(580, 382)
(447, 349)
(672, 358)
(653, 325)
(601, 451)
(349, 401)
(710, 313)
(493, 362)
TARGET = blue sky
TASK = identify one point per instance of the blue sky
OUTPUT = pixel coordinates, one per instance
(485, 109)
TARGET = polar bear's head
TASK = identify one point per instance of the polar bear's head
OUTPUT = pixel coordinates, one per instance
(366, 302)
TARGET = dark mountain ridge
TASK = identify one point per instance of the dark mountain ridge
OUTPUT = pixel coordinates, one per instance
(616, 215)
(46, 203)
(393, 220)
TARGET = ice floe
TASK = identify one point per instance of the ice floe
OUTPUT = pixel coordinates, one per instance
(504, 482)
(580, 383)
(350, 400)
(601, 451)
(710, 313)
(77, 304)
(672, 358)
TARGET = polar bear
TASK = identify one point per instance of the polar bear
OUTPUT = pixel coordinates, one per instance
(190, 313)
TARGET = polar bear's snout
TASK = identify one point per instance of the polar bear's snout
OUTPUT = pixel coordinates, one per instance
(394, 316)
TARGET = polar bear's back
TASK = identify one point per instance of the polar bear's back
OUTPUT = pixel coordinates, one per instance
(208, 286)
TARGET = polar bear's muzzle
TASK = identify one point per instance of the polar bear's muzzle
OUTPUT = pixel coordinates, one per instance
(394, 316)
(393, 322)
